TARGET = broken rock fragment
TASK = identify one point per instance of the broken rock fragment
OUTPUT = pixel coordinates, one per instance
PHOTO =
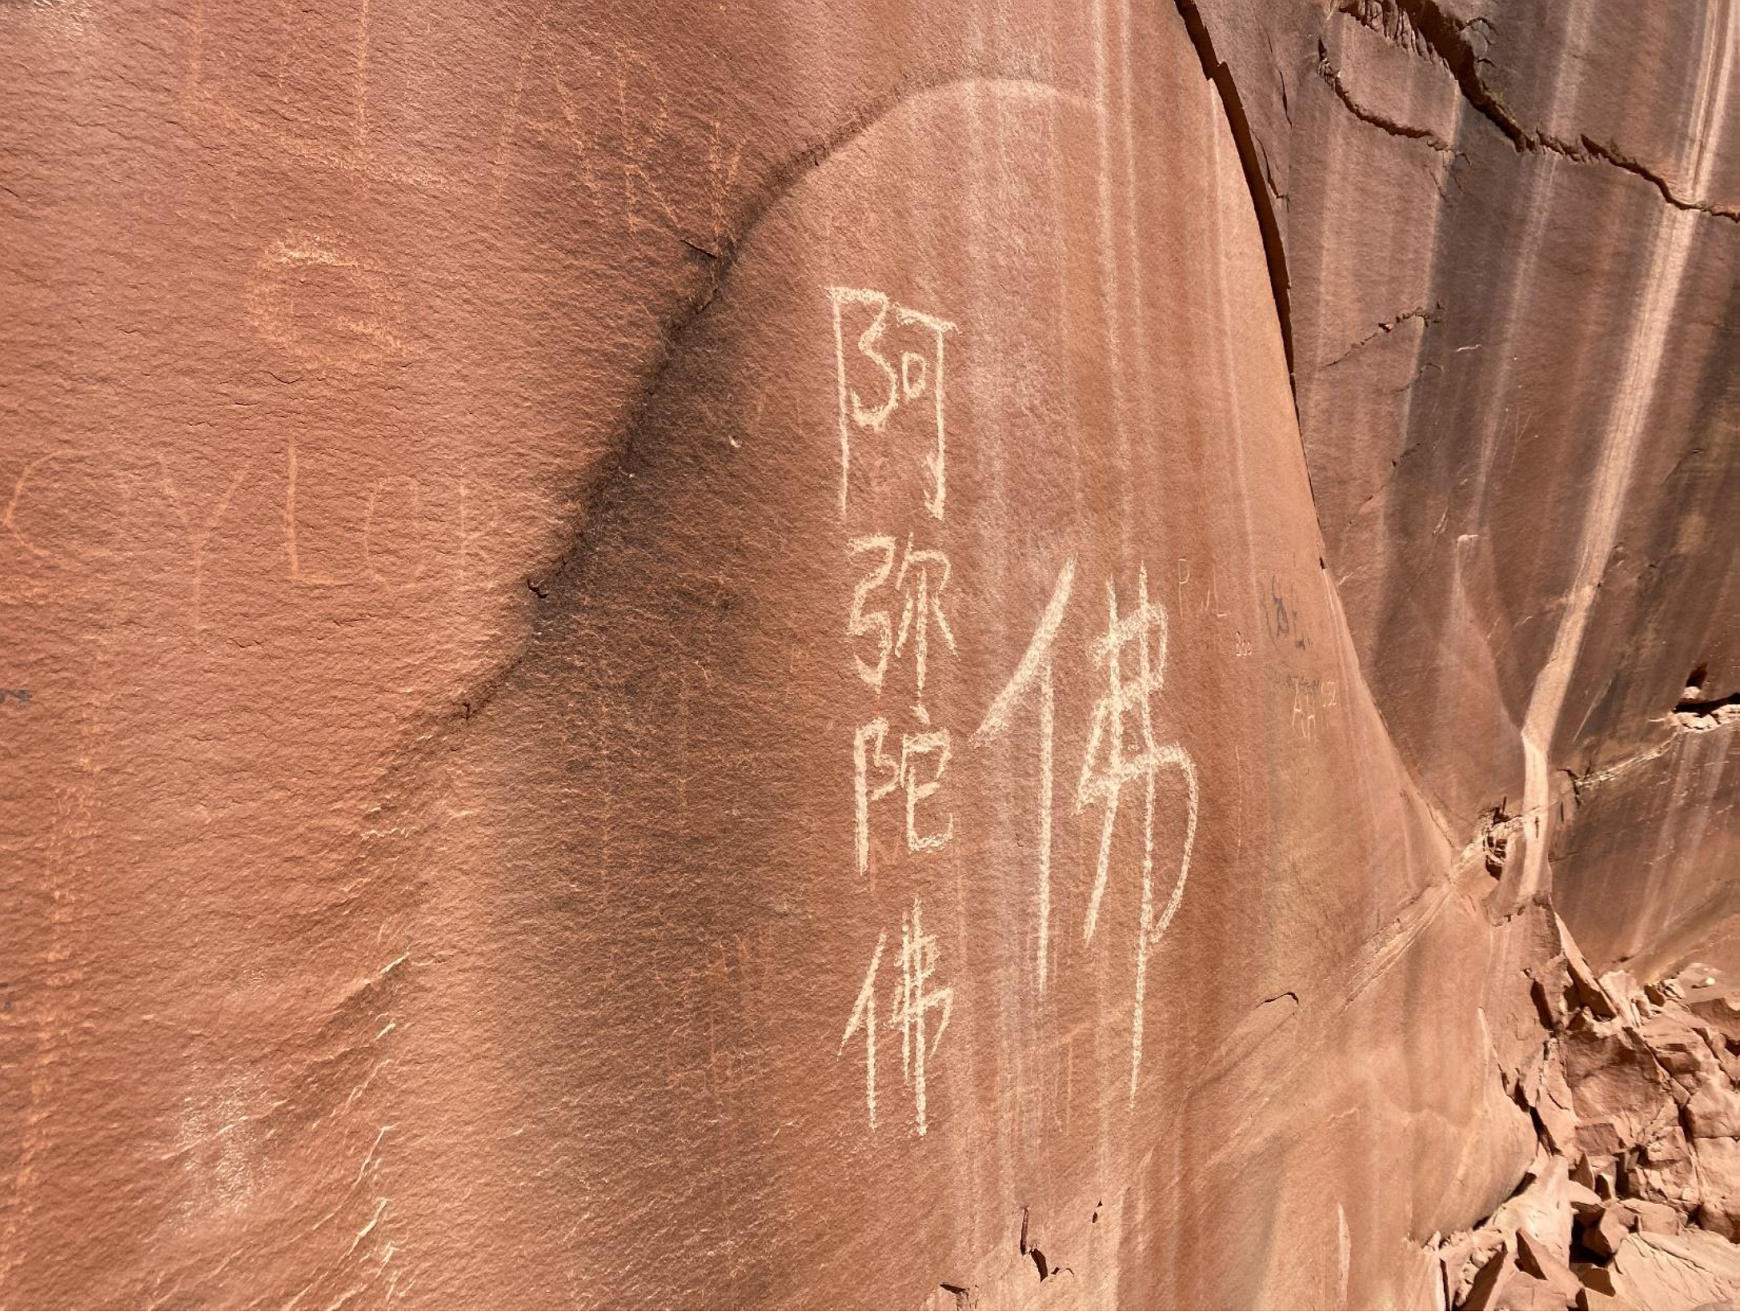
(1655, 1218)
(1541, 1261)
(1584, 983)
(1604, 1236)
(1633, 1198)
(1682, 1049)
(1718, 1167)
(1502, 1283)
(1713, 1112)
(1543, 1207)
(1691, 1270)
(1662, 1173)
(1620, 1092)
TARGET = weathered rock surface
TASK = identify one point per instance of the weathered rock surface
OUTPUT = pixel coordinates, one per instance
(1639, 1211)
(784, 654)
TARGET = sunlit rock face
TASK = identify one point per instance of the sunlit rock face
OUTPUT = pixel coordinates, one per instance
(1511, 237)
(882, 655)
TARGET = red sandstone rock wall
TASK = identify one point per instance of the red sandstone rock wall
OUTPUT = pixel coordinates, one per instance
(1510, 233)
(798, 655)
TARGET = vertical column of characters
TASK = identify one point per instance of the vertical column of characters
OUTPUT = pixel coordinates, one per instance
(893, 441)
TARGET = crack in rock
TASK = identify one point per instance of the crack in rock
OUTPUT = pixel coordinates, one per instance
(1330, 74)
(1423, 29)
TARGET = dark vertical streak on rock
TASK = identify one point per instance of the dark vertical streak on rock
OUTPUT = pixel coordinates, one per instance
(1216, 71)
(716, 266)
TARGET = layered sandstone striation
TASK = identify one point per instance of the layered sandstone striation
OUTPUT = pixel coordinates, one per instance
(869, 655)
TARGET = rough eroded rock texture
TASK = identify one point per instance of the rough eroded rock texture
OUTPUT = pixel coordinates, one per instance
(779, 654)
